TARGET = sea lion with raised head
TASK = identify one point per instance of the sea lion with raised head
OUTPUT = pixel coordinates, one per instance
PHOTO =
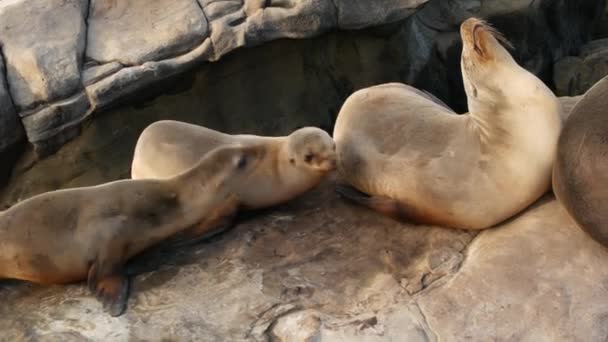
(406, 155)
(580, 173)
(292, 164)
(68, 235)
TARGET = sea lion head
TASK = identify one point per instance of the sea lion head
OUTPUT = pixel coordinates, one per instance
(312, 148)
(483, 58)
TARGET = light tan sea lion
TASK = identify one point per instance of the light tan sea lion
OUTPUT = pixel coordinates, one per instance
(580, 173)
(89, 233)
(410, 157)
(292, 165)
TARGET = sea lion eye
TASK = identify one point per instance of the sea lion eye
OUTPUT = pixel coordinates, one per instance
(308, 157)
(242, 163)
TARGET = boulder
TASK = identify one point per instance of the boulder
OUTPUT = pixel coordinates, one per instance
(11, 130)
(129, 46)
(43, 43)
(537, 277)
(135, 32)
(574, 75)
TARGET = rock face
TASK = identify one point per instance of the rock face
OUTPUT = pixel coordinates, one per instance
(11, 130)
(69, 59)
(321, 269)
(574, 75)
(156, 29)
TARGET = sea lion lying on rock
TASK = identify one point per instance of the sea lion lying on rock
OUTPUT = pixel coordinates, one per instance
(404, 154)
(89, 233)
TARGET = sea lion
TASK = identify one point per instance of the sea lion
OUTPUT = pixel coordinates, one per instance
(68, 235)
(580, 173)
(292, 165)
(405, 154)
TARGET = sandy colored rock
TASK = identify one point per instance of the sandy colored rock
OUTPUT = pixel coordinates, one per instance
(535, 278)
(42, 43)
(134, 32)
(358, 14)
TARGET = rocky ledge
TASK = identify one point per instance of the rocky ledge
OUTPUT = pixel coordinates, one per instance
(63, 60)
(320, 269)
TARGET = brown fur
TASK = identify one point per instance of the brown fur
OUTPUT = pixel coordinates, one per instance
(89, 233)
(580, 173)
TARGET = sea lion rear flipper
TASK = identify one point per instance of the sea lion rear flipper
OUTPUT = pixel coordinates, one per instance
(111, 287)
(385, 205)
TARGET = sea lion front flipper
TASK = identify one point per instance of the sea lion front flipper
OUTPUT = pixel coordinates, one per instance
(385, 205)
(151, 259)
(111, 287)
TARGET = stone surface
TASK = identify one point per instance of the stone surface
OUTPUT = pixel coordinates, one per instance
(134, 32)
(42, 43)
(319, 268)
(535, 278)
(11, 130)
(132, 45)
(574, 75)
(358, 14)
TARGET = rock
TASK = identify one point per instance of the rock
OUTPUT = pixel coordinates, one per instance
(519, 282)
(319, 268)
(11, 130)
(43, 44)
(127, 81)
(302, 326)
(356, 15)
(261, 21)
(134, 32)
(56, 123)
(95, 72)
(133, 45)
(574, 75)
